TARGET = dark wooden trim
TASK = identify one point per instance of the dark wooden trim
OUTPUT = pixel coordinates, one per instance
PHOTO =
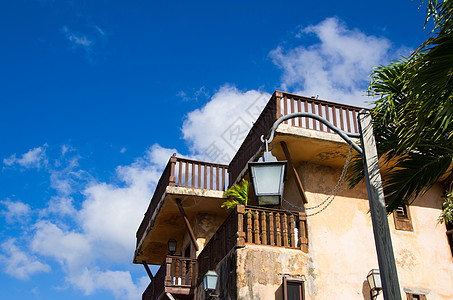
(186, 221)
(148, 271)
(294, 171)
(403, 222)
(285, 287)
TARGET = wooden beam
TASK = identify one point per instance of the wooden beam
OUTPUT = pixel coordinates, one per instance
(186, 221)
(293, 169)
(148, 271)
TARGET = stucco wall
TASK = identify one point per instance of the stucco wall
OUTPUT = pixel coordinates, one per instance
(342, 249)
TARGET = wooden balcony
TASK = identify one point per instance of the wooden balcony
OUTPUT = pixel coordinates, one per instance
(254, 225)
(177, 276)
(199, 186)
(281, 104)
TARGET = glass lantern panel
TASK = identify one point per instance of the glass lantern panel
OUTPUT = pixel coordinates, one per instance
(268, 178)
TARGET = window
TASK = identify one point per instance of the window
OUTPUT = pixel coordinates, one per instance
(293, 289)
(411, 296)
(402, 218)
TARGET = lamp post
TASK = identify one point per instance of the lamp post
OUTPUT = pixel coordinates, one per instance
(383, 242)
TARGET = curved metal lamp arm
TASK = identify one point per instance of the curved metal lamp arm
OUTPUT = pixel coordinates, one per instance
(344, 135)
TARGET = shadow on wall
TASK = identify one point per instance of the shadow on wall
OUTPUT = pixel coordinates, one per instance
(366, 291)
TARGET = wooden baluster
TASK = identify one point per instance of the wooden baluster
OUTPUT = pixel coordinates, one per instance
(194, 182)
(217, 179)
(199, 176)
(285, 230)
(172, 181)
(299, 109)
(205, 176)
(168, 274)
(263, 228)
(321, 126)
(186, 176)
(327, 116)
(211, 177)
(277, 228)
(190, 273)
(354, 120)
(285, 107)
(303, 232)
(249, 227)
(278, 104)
(240, 210)
(223, 179)
(334, 116)
(307, 120)
(256, 227)
(313, 111)
(271, 229)
(177, 279)
(293, 234)
(348, 120)
(183, 271)
(180, 174)
(340, 109)
(293, 120)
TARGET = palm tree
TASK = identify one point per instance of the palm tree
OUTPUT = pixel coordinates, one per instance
(413, 116)
(237, 194)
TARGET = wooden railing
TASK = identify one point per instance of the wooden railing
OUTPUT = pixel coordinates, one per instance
(177, 272)
(186, 173)
(254, 225)
(281, 104)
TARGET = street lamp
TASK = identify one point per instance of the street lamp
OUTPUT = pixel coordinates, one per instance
(382, 239)
(210, 282)
(268, 177)
(374, 281)
(171, 246)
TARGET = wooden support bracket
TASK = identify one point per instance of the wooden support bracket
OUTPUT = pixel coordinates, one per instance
(186, 221)
(293, 169)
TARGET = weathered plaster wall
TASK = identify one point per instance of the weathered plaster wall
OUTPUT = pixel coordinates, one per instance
(342, 249)
(260, 270)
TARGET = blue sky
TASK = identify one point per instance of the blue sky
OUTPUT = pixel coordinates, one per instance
(96, 95)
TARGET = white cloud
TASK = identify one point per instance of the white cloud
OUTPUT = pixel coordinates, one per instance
(216, 131)
(119, 283)
(19, 264)
(71, 249)
(77, 39)
(337, 67)
(15, 211)
(34, 158)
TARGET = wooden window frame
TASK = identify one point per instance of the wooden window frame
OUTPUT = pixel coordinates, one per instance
(403, 220)
(410, 296)
(287, 280)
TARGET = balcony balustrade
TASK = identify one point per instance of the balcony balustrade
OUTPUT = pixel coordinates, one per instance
(177, 275)
(254, 225)
(282, 104)
(183, 172)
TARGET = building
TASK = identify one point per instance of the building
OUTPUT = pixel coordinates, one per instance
(325, 252)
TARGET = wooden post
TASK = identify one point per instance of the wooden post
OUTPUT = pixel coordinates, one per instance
(249, 227)
(240, 210)
(303, 232)
(172, 180)
(277, 225)
(384, 249)
(168, 271)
